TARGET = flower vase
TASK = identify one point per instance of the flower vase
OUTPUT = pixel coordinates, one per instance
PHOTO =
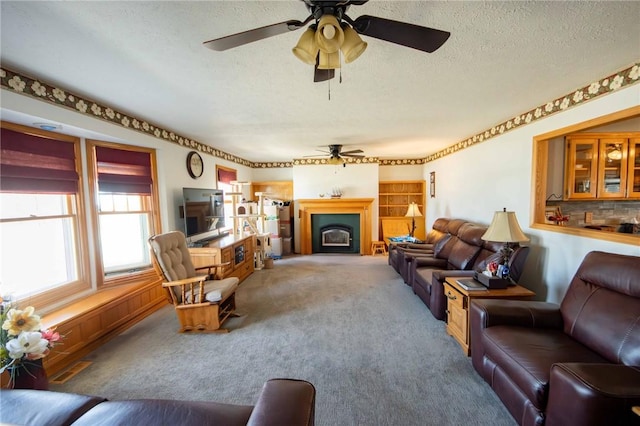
(29, 375)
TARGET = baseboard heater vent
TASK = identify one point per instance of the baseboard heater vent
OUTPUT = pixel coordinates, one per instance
(70, 373)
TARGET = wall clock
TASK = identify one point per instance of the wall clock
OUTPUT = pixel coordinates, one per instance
(195, 167)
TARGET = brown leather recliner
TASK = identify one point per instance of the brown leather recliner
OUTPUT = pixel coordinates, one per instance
(465, 254)
(397, 251)
(281, 402)
(577, 363)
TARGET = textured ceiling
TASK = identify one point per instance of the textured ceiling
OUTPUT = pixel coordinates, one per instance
(259, 102)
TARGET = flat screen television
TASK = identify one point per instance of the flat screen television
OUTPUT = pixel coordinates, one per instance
(203, 211)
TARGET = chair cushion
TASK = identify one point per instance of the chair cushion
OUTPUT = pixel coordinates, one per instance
(527, 354)
(216, 290)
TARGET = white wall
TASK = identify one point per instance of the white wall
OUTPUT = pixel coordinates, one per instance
(470, 184)
(355, 181)
(475, 182)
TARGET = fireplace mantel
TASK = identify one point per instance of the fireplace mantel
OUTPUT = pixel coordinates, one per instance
(361, 206)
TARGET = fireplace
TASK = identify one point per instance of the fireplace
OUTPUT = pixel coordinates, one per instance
(334, 209)
(335, 233)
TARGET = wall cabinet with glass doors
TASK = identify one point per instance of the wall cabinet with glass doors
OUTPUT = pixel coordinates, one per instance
(602, 166)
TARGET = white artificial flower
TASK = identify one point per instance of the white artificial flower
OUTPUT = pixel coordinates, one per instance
(125, 121)
(95, 108)
(110, 113)
(548, 107)
(565, 103)
(3, 73)
(27, 342)
(635, 72)
(538, 112)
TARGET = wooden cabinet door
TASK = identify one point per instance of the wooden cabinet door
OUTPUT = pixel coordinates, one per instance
(456, 315)
(612, 168)
(582, 168)
(633, 169)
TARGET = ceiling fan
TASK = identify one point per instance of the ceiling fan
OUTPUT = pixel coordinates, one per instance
(336, 154)
(333, 31)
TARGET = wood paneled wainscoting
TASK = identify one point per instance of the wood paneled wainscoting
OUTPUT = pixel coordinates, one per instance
(92, 321)
(360, 206)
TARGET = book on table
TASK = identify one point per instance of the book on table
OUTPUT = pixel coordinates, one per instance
(470, 284)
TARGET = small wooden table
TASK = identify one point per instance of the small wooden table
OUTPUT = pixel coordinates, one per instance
(459, 300)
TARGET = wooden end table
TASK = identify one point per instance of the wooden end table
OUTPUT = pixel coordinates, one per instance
(459, 300)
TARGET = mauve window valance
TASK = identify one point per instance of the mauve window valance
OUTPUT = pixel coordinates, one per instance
(226, 176)
(124, 172)
(36, 164)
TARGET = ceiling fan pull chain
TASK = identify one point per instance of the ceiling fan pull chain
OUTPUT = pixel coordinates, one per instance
(329, 88)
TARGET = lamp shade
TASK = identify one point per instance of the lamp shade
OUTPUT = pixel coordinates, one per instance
(328, 61)
(329, 36)
(504, 228)
(353, 45)
(306, 50)
(413, 211)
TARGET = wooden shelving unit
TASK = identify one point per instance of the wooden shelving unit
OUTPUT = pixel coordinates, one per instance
(394, 198)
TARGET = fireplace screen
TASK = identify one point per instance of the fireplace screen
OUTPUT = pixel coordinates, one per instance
(336, 236)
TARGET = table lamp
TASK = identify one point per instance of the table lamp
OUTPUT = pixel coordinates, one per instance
(504, 228)
(412, 212)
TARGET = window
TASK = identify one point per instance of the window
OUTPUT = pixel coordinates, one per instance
(225, 176)
(40, 224)
(126, 212)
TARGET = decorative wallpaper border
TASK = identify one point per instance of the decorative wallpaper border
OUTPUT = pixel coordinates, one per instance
(35, 88)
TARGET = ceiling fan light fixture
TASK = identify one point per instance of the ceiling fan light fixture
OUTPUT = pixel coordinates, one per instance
(353, 45)
(328, 61)
(336, 161)
(307, 50)
(329, 40)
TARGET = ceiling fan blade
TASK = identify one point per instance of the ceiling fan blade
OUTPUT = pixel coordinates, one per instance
(344, 154)
(245, 37)
(402, 33)
(353, 151)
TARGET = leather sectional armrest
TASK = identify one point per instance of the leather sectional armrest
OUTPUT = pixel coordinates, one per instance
(285, 402)
(519, 313)
(597, 394)
(441, 275)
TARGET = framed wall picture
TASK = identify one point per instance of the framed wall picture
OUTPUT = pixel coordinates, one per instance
(549, 212)
(432, 184)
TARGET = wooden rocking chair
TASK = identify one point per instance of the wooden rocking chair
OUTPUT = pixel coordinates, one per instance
(201, 303)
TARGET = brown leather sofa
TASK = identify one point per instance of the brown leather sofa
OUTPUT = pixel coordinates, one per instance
(577, 363)
(461, 252)
(398, 252)
(281, 402)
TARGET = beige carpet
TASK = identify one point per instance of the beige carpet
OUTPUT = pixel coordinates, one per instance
(346, 323)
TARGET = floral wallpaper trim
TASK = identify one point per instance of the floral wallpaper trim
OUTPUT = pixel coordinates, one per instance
(35, 88)
(601, 87)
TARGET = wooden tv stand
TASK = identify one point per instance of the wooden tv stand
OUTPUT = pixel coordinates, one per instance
(237, 250)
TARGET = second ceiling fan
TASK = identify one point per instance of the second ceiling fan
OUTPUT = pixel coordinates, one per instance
(333, 32)
(336, 154)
